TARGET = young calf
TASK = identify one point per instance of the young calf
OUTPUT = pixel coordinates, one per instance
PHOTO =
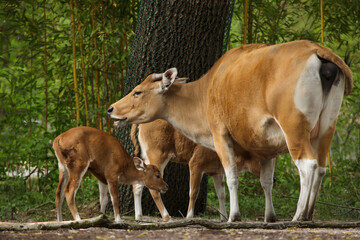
(83, 148)
(158, 143)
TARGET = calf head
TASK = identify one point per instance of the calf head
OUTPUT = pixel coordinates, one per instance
(152, 176)
(146, 102)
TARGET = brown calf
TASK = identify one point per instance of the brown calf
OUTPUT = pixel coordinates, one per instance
(83, 148)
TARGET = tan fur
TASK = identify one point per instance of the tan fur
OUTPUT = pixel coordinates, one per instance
(243, 101)
(83, 148)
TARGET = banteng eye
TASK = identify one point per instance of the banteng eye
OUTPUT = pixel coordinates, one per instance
(137, 93)
(157, 176)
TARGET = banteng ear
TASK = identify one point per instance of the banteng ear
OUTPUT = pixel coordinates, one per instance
(139, 164)
(168, 78)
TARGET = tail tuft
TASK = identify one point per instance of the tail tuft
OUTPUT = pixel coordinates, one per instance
(328, 74)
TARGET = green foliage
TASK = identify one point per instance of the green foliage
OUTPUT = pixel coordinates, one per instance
(36, 76)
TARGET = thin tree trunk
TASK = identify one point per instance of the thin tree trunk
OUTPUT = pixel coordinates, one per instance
(74, 61)
(97, 74)
(250, 21)
(245, 21)
(83, 70)
(46, 90)
(105, 64)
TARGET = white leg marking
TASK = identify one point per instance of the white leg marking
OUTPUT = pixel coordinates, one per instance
(117, 218)
(220, 192)
(306, 169)
(233, 183)
(138, 189)
(266, 180)
(77, 217)
(104, 198)
(319, 175)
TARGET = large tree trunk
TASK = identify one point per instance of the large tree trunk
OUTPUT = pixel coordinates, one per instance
(189, 35)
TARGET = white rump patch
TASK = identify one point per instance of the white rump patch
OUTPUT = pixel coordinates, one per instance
(308, 97)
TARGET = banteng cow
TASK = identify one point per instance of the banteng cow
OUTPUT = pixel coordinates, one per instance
(257, 102)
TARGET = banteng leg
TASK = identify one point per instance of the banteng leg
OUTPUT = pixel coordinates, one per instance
(321, 143)
(63, 177)
(266, 180)
(298, 141)
(220, 192)
(114, 194)
(104, 198)
(224, 148)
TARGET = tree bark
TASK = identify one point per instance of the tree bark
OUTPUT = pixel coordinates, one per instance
(189, 35)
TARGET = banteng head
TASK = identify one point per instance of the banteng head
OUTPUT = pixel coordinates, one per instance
(152, 177)
(145, 102)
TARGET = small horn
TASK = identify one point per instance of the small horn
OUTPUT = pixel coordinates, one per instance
(157, 76)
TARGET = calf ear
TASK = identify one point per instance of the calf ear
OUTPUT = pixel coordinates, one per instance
(139, 164)
(168, 78)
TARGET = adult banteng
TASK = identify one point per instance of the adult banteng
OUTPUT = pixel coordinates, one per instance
(257, 101)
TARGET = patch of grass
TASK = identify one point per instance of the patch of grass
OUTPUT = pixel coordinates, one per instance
(19, 204)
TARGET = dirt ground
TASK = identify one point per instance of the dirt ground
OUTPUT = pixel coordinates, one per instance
(184, 233)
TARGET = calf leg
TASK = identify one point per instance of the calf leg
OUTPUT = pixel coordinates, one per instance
(220, 192)
(70, 193)
(114, 194)
(104, 198)
(266, 180)
(63, 176)
(160, 205)
(75, 176)
(157, 158)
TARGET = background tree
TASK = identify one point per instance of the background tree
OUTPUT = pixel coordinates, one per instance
(189, 35)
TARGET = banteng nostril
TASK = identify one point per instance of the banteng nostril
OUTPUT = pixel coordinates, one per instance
(110, 109)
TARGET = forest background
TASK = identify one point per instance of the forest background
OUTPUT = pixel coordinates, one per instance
(63, 62)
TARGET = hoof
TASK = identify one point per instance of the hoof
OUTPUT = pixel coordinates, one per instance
(166, 218)
(270, 219)
(235, 218)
